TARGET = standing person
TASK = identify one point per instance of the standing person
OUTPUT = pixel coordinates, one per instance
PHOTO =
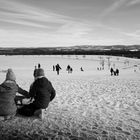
(39, 66)
(8, 90)
(117, 72)
(68, 68)
(53, 68)
(112, 71)
(57, 67)
(42, 92)
(81, 69)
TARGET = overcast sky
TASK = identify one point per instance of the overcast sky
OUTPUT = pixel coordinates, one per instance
(48, 23)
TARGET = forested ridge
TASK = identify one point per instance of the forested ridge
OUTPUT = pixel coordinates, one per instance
(116, 50)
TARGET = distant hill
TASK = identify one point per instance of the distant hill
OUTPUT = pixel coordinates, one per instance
(119, 50)
(113, 47)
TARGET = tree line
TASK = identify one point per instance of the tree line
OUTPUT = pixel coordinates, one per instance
(54, 51)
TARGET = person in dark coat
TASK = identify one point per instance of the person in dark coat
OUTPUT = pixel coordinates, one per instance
(68, 68)
(8, 90)
(58, 68)
(42, 93)
(53, 67)
(112, 71)
(39, 66)
(81, 69)
(117, 72)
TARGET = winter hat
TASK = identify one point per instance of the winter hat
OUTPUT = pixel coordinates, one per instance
(39, 72)
(10, 75)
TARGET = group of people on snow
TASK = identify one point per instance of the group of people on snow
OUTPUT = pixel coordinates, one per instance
(57, 68)
(40, 94)
(69, 69)
(114, 72)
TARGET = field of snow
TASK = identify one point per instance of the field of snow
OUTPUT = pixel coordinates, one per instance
(89, 105)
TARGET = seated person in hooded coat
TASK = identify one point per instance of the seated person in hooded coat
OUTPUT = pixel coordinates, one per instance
(8, 90)
(42, 93)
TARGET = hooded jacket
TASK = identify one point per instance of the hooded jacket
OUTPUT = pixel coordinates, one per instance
(42, 91)
(8, 90)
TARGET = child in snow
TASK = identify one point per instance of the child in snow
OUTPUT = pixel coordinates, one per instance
(8, 90)
(42, 93)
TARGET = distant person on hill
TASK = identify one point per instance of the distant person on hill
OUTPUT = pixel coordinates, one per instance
(58, 68)
(68, 68)
(8, 98)
(39, 66)
(81, 69)
(53, 68)
(42, 93)
(117, 72)
(111, 71)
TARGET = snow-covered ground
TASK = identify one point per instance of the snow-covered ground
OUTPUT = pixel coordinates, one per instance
(23, 66)
(88, 105)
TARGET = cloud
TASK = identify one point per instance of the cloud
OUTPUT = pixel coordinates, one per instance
(75, 29)
(36, 17)
(113, 7)
(64, 30)
(19, 13)
(47, 28)
(29, 39)
(117, 4)
(133, 2)
(57, 28)
(24, 23)
(122, 33)
(135, 34)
